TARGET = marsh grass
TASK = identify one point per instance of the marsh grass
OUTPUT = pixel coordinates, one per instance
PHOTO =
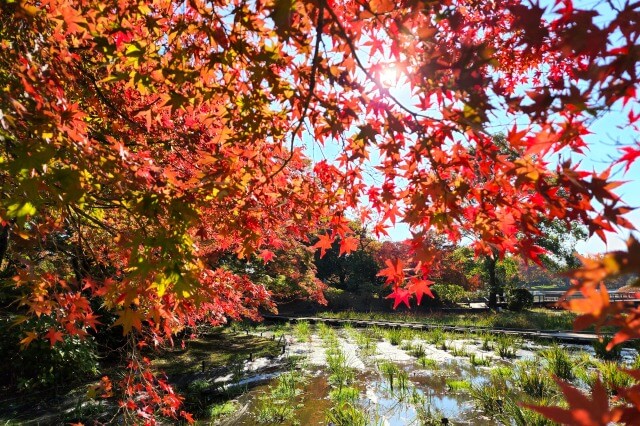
(538, 319)
(427, 362)
(222, 409)
(277, 405)
(612, 377)
(459, 351)
(364, 342)
(345, 394)
(396, 377)
(506, 346)
(427, 416)
(479, 361)
(487, 342)
(514, 414)
(488, 398)
(458, 385)
(407, 346)
(418, 351)
(435, 336)
(533, 381)
(346, 414)
(274, 412)
(397, 335)
(302, 331)
(558, 361)
(600, 348)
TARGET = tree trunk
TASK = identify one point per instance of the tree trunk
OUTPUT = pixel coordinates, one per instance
(4, 242)
(494, 285)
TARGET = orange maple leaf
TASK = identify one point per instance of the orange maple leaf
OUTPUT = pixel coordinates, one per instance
(595, 307)
(324, 244)
(54, 336)
(582, 411)
(31, 336)
(128, 319)
(394, 271)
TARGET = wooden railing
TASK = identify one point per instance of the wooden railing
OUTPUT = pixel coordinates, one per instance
(542, 297)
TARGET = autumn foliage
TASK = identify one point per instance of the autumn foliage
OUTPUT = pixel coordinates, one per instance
(142, 142)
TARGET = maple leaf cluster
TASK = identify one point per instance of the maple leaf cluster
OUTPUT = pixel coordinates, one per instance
(142, 142)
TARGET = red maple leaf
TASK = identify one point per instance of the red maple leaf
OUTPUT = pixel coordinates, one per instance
(631, 154)
(400, 295)
(266, 255)
(394, 271)
(419, 288)
(348, 244)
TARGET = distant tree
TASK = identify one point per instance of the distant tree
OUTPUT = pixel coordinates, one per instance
(356, 271)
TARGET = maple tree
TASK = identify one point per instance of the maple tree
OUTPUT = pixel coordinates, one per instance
(142, 141)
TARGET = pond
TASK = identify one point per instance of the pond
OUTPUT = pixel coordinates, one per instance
(392, 377)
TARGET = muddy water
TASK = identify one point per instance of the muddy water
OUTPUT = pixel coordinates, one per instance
(312, 403)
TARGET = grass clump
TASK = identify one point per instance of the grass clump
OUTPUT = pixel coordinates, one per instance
(459, 351)
(435, 336)
(600, 348)
(514, 414)
(427, 362)
(396, 377)
(488, 398)
(612, 377)
(365, 343)
(345, 394)
(277, 405)
(558, 362)
(506, 346)
(222, 409)
(428, 417)
(418, 351)
(302, 331)
(340, 374)
(397, 335)
(478, 361)
(501, 373)
(487, 342)
(270, 412)
(458, 385)
(346, 415)
(532, 381)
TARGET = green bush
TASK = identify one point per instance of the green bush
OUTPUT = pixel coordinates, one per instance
(40, 365)
(449, 294)
(519, 299)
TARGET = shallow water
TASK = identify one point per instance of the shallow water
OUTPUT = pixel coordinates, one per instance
(313, 403)
(427, 391)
